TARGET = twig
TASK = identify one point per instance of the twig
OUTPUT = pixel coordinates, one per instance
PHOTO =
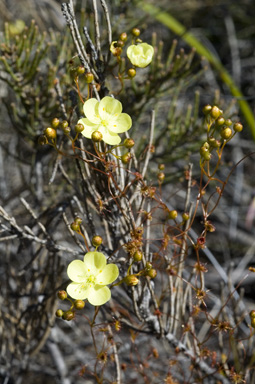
(109, 26)
(116, 356)
(97, 30)
(27, 206)
(91, 45)
(72, 233)
(59, 361)
(196, 360)
(68, 13)
(148, 154)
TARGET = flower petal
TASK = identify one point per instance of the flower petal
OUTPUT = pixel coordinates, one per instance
(99, 295)
(76, 271)
(108, 275)
(109, 108)
(77, 291)
(89, 127)
(90, 109)
(140, 55)
(122, 124)
(94, 262)
(108, 136)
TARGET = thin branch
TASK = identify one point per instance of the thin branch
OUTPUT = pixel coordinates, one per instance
(97, 30)
(148, 154)
(116, 356)
(109, 26)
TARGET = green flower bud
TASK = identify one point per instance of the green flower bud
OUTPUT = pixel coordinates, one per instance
(152, 273)
(120, 43)
(126, 158)
(68, 315)
(207, 109)
(89, 77)
(148, 266)
(220, 121)
(66, 130)
(96, 136)
(131, 280)
(215, 112)
(79, 128)
(161, 177)
(75, 227)
(79, 304)
(129, 143)
(96, 241)
(42, 140)
(253, 322)
(136, 32)
(226, 133)
(80, 70)
(212, 142)
(62, 295)
(123, 36)
(59, 313)
(185, 216)
(138, 256)
(131, 73)
(64, 124)
(228, 122)
(161, 167)
(172, 215)
(55, 122)
(50, 133)
(252, 314)
(205, 154)
(78, 220)
(238, 127)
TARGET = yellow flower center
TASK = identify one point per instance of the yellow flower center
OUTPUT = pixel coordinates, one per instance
(91, 279)
(104, 122)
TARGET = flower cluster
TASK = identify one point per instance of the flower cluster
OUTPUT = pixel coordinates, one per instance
(90, 278)
(106, 117)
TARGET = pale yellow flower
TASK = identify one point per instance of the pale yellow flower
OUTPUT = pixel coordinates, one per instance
(106, 117)
(90, 278)
(140, 55)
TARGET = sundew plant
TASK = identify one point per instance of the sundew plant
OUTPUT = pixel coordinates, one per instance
(107, 273)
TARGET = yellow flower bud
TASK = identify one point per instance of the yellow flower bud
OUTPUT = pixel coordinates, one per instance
(131, 73)
(97, 136)
(97, 240)
(172, 214)
(79, 304)
(136, 32)
(238, 127)
(59, 313)
(68, 315)
(50, 133)
(226, 133)
(131, 280)
(62, 295)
